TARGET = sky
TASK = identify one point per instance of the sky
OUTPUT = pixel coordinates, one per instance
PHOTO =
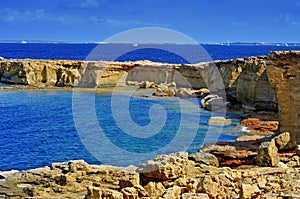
(202, 20)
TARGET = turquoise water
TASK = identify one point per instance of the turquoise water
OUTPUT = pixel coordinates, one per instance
(37, 127)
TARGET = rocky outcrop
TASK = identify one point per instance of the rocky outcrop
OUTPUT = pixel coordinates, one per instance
(257, 125)
(284, 76)
(245, 79)
(172, 176)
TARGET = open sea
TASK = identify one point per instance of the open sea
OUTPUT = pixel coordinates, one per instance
(37, 127)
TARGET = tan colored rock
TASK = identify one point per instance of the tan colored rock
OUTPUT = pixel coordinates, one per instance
(166, 90)
(249, 191)
(194, 196)
(154, 189)
(141, 191)
(282, 69)
(219, 121)
(98, 193)
(185, 93)
(164, 167)
(172, 192)
(130, 193)
(192, 185)
(282, 140)
(294, 162)
(267, 154)
(208, 185)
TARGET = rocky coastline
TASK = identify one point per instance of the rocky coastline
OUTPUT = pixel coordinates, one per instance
(262, 165)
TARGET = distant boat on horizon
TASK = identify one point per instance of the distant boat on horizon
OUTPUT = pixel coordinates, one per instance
(24, 42)
(135, 45)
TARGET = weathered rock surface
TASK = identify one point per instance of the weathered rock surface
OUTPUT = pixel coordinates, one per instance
(234, 153)
(284, 77)
(282, 140)
(77, 179)
(204, 158)
(267, 154)
(245, 79)
(164, 167)
(255, 124)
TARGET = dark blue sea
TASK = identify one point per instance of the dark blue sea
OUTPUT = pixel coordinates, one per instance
(38, 127)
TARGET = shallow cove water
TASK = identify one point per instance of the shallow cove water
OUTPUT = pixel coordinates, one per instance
(37, 127)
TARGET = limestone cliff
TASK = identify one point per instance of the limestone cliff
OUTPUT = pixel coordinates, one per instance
(246, 78)
(284, 76)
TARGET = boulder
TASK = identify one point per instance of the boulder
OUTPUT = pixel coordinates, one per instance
(267, 154)
(213, 103)
(282, 140)
(249, 191)
(164, 167)
(204, 158)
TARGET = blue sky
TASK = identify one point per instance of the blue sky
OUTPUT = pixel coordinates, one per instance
(202, 20)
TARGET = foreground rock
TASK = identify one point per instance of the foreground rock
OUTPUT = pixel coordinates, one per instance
(166, 176)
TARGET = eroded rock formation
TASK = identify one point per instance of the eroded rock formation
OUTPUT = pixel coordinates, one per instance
(167, 176)
(245, 78)
(284, 76)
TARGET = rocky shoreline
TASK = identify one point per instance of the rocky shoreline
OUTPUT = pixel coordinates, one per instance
(205, 174)
(255, 166)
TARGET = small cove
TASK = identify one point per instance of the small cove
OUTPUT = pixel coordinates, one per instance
(37, 127)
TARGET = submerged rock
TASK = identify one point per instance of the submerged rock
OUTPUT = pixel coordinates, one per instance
(219, 121)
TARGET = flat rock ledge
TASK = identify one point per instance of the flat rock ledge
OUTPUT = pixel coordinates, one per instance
(176, 175)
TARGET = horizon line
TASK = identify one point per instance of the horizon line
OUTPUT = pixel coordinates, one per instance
(94, 42)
